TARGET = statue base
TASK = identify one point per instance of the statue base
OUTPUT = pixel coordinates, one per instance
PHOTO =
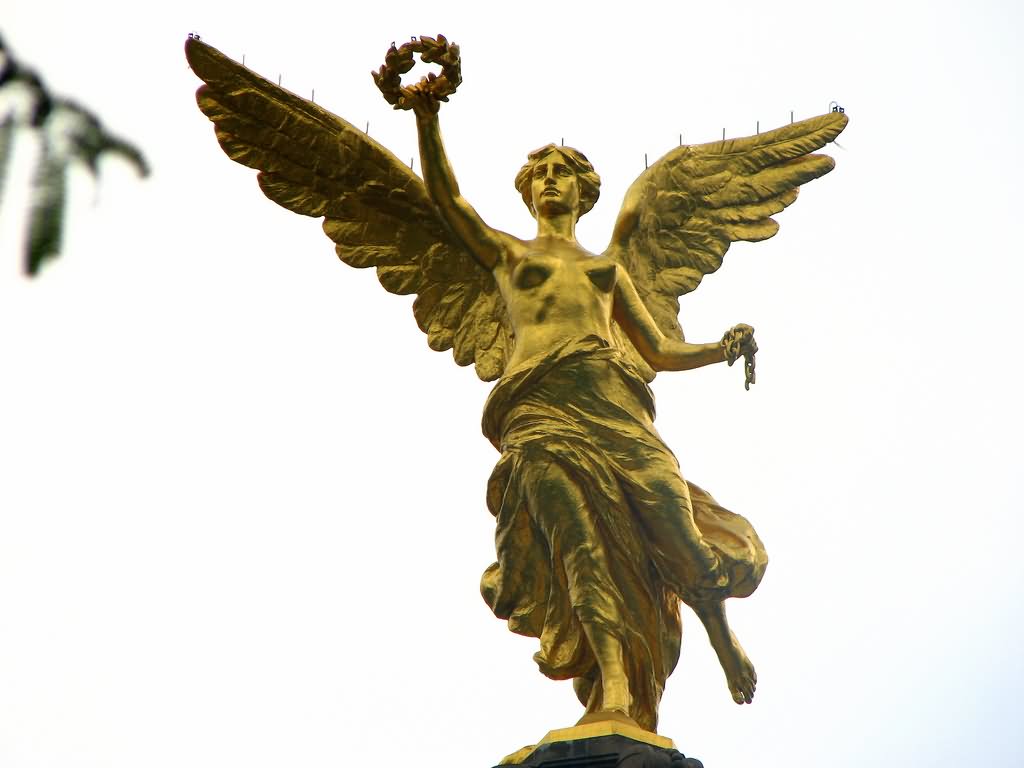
(602, 744)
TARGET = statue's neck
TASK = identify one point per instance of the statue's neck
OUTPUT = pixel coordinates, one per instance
(561, 225)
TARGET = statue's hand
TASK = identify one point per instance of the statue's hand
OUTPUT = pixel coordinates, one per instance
(419, 99)
(738, 342)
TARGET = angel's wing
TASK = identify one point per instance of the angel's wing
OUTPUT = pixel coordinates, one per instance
(682, 214)
(375, 209)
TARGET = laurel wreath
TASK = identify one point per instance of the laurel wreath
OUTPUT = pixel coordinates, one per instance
(398, 61)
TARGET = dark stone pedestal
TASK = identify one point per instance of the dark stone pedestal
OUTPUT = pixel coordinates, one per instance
(614, 751)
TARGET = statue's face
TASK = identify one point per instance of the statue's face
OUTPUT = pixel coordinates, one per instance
(554, 186)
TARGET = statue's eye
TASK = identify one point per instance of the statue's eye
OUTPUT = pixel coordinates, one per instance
(563, 171)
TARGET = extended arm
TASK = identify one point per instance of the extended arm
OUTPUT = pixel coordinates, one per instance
(487, 245)
(661, 352)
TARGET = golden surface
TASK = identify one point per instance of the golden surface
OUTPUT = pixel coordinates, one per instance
(598, 535)
(592, 730)
(607, 728)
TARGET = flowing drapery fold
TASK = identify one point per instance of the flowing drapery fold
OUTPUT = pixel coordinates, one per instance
(603, 547)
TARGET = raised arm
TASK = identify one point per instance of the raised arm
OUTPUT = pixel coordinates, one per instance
(661, 352)
(487, 245)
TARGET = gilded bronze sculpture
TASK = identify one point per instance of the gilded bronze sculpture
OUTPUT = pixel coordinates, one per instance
(598, 535)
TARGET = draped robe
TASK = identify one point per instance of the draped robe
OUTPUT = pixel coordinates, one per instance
(581, 417)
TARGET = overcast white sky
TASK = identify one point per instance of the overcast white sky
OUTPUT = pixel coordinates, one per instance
(241, 502)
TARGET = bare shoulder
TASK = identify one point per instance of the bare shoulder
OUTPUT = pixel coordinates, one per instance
(512, 250)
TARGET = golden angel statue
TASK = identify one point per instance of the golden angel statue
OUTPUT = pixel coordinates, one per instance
(598, 535)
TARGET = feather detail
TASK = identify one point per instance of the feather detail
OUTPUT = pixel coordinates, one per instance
(681, 214)
(375, 209)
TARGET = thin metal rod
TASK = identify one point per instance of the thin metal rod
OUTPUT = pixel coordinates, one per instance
(791, 115)
(759, 127)
(645, 161)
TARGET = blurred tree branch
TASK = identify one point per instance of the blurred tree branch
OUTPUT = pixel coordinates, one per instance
(68, 133)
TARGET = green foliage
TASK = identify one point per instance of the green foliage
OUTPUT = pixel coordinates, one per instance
(6, 141)
(68, 133)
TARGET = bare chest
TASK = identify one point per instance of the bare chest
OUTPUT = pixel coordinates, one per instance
(560, 289)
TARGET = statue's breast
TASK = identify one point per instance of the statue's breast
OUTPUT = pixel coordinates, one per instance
(601, 275)
(533, 271)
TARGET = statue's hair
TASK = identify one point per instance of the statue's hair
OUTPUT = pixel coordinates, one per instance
(587, 178)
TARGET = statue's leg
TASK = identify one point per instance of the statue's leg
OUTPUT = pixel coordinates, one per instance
(739, 672)
(560, 509)
(584, 688)
(682, 555)
(695, 572)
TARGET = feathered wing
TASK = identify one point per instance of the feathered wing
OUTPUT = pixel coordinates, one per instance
(375, 209)
(682, 214)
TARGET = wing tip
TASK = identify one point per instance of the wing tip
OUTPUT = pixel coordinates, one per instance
(842, 120)
(206, 61)
(194, 47)
(838, 123)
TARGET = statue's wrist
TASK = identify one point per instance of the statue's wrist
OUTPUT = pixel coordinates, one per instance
(728, 347)
(426, 117)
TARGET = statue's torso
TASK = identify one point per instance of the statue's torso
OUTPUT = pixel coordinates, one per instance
(555, 291)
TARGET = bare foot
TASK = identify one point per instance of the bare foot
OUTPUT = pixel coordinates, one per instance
(739, 672)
